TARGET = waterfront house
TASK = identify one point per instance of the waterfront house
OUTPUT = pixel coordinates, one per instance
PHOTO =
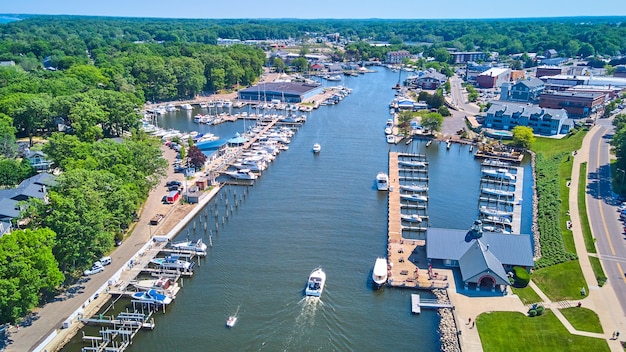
(38, 160)
(428, 80)
(34, 187)
(506, 115)
(483, 258)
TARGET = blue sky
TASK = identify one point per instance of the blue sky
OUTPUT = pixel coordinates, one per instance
(413, 9)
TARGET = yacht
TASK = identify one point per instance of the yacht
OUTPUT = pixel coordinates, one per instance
(232, 320)
(498, 192)
(242, 174)
(411, 218)
(379, 274)
(172, 262)
(499, 173)
(419, 164)
(382, 181)
(186, 107)
(197, 247)
(414, 197)
(414, 188)
(315, 284)
(489, 211)
(161, 285)
(152, 297)
(391, 139)
(317, 148)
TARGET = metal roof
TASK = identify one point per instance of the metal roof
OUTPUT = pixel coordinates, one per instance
(479, 260)
(452, 244)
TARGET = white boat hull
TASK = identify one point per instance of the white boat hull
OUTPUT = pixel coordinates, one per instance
(316, 282)
(382, 181)
(379, 274)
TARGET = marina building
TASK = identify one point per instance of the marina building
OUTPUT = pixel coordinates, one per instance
(505, 116)
(287, 92)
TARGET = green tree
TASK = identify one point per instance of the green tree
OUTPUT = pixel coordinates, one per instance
(33, 116)
(523, 136)
(300, 64)
(432, 121)
(278, 64)
(586, 50)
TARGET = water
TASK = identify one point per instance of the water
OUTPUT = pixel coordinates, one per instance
(310, 210)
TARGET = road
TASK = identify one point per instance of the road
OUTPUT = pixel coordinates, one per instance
(602, 213)
(461, 108)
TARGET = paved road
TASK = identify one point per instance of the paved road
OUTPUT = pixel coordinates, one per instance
(601, 209)
(457, 99)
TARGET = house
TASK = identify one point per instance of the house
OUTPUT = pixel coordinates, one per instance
(192, 195)
(620, 71)
(37, 159)
(397, 57)
(524, 90)
(550, 53)
(577, 104)
(507, 115)
(34, 187)
(483, 258)
(494, 77)
(428, 80)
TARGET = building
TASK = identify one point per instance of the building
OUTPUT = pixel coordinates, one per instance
(505, 116)
(543, 71)
(38, 160)
(620, 71)
(525, 90)
(34, 187)
(577, 104)
(288, 92)
(397, 57)
(484, 258)
(428, 80)
(494, 77)
(461, 57)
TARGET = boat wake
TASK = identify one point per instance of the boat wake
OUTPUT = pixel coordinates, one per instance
(308, 309)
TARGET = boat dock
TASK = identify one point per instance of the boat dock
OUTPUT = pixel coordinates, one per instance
(417, 303)
(511, 202)
(117, 332)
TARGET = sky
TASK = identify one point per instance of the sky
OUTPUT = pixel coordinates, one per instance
(392, 9)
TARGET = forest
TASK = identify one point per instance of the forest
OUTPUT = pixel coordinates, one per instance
(93, 75)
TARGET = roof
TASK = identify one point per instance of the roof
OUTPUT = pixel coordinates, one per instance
(281, 87)
(451, 244)
(495, 71)
(525, 110)
(531, 82)
(479, 260)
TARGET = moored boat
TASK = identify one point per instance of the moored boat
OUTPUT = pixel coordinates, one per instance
(197, 247)
(418, 164)
(382, 181)
(317, 148)
(173, 262)
(316, 282)
(152, 297)
(414, 188)
(498, 192)
(499, 173)
(242, 174)
(379, 274)
(411, 217)
(494, 212)
(414, 197)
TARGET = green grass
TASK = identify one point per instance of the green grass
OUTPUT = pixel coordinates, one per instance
(565, 176)
(514, 331)
(582, 210)
(527, 295)
(550, 147)
(598, 271)
(561, 282)
(583, 319)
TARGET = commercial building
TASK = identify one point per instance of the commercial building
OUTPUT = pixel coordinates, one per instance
(525, 90)
(506, 116)
(288, 92)
(577, 104)
(397, 57)
(494, 77)
(544, 71)
(461, 57)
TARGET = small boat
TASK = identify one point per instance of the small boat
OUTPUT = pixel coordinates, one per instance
(388, 130)
(494, 212)
(429, 143)
(498, 192)
(448, 144)
(186, 107)
(173, 262)
(411, 218)
(414, 188)
(391, 139)
(243, 174)
(414, 197)
(499, 173)
(317, 148)
(161, 285)
(232, 320)
(498, 219)
(152, 297)
(408, 141)
(316, 282)
(197, 247)
(412, 163)
(382, 181)
(379, 274)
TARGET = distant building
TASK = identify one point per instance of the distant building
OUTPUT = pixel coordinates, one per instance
(505, 116)
(7, 63)
(397, 57)
(524, 90)
(34, 187)
(38, 160)
(494, 77)
(620, 71)
(428, 80)
(461, 57)
(577, 104)
(288, 92)
(550, 53)
(543, 71)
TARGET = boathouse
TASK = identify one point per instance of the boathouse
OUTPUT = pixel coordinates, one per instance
(483, 258)
(286, 92)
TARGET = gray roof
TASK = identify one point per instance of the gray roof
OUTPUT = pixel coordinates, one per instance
(30, 188)
(452, 244)
(531, 82)
(478, 260)
(280, 88)
(525, 110)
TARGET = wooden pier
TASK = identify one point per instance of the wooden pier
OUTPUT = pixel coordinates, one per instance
(117, 332)
(417, 303)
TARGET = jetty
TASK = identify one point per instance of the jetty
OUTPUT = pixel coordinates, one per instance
(417, 303)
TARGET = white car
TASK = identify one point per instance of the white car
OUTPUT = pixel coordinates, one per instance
(96, 268)
(622, 207)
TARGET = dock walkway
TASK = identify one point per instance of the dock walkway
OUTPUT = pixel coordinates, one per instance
(417, 303)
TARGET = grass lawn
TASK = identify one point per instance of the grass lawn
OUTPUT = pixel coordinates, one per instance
(583, 319)
(597, 270)
(527, 295)
(590, 244)
(561, 282)
(550, 147)
(565, 176)
(514, 331)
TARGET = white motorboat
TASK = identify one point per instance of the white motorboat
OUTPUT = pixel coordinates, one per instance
(152, 297)
(186, 107)
(388, 130)
(161, 285)
(197, 247)
(382, 181)
(317, 148)
(499, 173)
(232, 320)
(419, 164)
(498, 192)
(494, 212)
(498, 219)
(391, 139)
(414, 197)
(379, 274)
(414, 188)
(243, 174)
(316, 282)
(172, 262)
(411, 218)
(333, 78)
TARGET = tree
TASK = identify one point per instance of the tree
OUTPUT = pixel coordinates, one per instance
(12, 171)
(196, 157)
(443, 111)
(34, 115)
(300, 64)
(523, 136)
(278, 64)
(586, 50)
(432, 122)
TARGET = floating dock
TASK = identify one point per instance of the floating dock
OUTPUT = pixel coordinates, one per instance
(417, 303)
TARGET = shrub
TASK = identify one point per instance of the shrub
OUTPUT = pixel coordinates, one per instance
(521, 277)
(540, 310)
(532, 313)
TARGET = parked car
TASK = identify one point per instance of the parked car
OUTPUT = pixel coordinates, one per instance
(96, 268)
(622, 207)
(105, 261)
(173, 183)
